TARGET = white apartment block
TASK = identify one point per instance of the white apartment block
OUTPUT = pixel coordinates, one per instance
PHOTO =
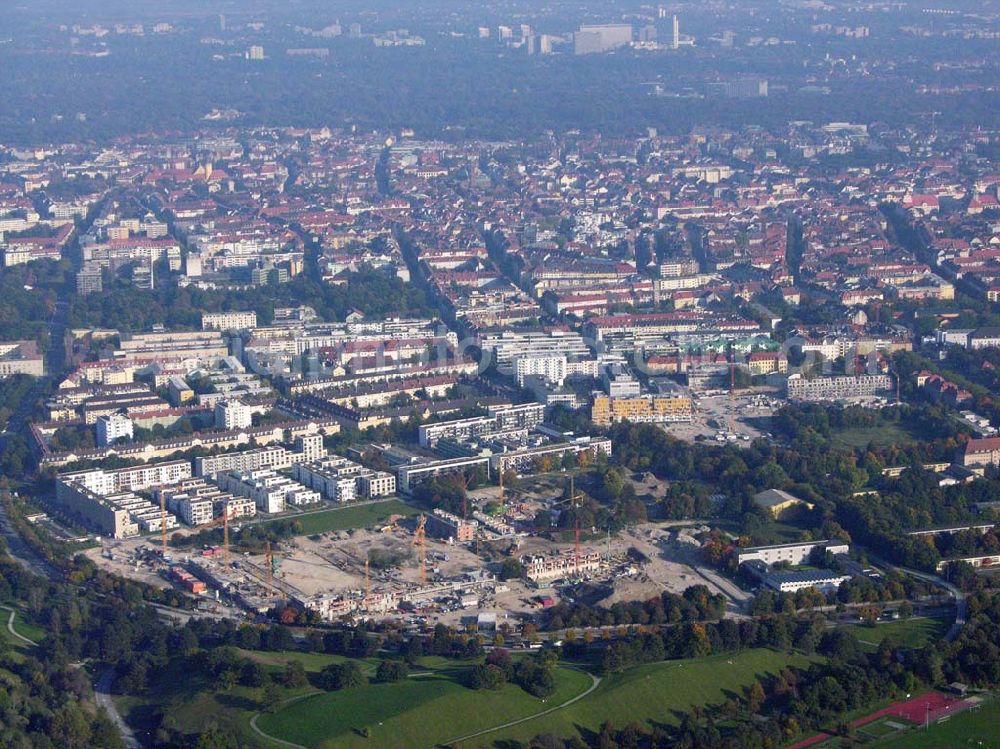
(198, 502)
(500, 418)
(117, 514)
(113, 427)
(275, 457)
(135, 478)
(308, 447)
(228, 320)
(342, 480)
(410, 475)
(270, 491)
(551, 368)
(793, 554)
(195, 510)
(335, 478)
(838, 388)
(508, 346)
(236, 507)
(232, 415)
(377, 484)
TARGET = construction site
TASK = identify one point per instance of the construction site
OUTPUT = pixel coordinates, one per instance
(434, 566)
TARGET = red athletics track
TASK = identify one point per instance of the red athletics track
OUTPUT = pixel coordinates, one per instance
(914, 710)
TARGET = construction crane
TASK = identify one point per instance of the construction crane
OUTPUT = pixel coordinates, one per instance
(163, 525)
(224, 520)
(500, 472)
(466, 480)
(576, 524)
(420, 541)
(269, 555)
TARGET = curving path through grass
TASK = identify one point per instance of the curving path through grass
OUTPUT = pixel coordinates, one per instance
(596, 682)
(10, 626)
(275, 739)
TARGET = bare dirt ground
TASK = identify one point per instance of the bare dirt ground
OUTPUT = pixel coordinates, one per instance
(675, 565)
(129, 562)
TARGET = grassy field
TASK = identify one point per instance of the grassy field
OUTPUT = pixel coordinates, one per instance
(881, 436)
(424, 710)
(913, 633)
(973, 728)
(339, 519)
(312, 662)
(656, 692)
(434, 706)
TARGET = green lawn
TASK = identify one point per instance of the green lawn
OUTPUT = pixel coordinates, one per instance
(881, 436)
(656, 692)
(780, 532)
(312, 662)
(345, 518)
(973, 728)
(421, 711)
(913, 633)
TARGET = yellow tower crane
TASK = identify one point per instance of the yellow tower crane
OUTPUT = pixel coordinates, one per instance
(420, 541)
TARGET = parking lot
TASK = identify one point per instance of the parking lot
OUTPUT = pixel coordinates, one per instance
(741, 418)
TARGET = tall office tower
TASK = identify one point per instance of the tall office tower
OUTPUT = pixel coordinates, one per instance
(222, 22)
(675, 41)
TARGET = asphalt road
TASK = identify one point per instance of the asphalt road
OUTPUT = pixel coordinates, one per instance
(953, 591)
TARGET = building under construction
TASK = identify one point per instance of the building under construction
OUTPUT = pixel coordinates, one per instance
(441, 524)
(542, 568)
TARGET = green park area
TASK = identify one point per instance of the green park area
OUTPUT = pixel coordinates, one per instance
(435, 706)
(882, 435)
(431, 707)
(912, 633)
(658, 692)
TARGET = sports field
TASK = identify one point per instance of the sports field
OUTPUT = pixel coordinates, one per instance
(898, 724)
(976, 727)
